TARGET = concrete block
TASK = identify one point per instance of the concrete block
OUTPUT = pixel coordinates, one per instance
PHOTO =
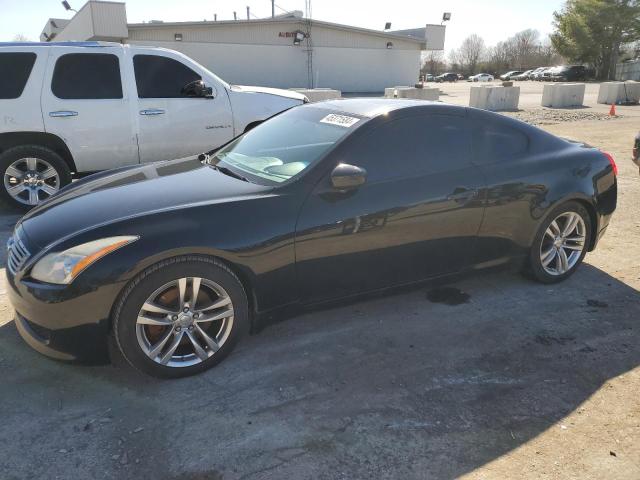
(319, 94)
(494, 98)
(563, 95)
(432, 94)
(619, 92)
(390, 92)
(633, 91)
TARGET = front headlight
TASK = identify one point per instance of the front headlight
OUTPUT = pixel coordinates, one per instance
(62, 267)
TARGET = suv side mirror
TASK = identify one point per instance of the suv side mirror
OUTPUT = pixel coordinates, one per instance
(348, 177)
(197, 89)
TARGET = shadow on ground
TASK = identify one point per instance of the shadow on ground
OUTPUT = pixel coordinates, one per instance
(394, 387)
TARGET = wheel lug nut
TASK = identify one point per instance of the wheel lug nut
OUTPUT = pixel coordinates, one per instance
(175, 317)
(185, 309)
(195, 315)
(178, 329)
(190, 327)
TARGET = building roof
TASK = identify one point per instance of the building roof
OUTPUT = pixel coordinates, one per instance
(412, 35)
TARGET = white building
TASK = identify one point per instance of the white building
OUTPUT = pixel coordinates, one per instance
(285, 51)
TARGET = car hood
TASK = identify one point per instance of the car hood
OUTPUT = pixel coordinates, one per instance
(128, 192)
(270, 91)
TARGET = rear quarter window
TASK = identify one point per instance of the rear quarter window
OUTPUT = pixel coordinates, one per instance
(15, 68)
(498, 142)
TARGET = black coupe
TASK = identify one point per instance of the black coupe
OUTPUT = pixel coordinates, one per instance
(169, 263)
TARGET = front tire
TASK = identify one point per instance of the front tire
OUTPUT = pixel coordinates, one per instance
(561, 243)
(31, 174)
(180, 317)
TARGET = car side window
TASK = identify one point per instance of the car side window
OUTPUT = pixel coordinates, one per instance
(495, 142)
(161, 77)
(415, 145)
(85, 76)
(16, 68)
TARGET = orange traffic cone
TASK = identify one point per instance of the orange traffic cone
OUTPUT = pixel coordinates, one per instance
(612, 112)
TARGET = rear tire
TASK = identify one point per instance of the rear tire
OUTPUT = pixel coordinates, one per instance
(158, 312)
(30, 175)
(560, 244)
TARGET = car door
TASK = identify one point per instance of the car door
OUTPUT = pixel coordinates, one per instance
(417, 215)
(86, 103)
(515, 186)
(172, 124)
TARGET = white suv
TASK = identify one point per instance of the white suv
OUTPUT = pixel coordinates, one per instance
(83, 107)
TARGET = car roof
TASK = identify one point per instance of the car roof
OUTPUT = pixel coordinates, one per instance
(59, 44)
(373, 107)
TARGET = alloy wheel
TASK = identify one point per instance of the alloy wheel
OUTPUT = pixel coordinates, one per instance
(563, 243)
(31, 180)
(185, 322)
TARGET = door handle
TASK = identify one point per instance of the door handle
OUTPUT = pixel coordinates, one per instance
(462, 195)
(152, 111)
(63, 113)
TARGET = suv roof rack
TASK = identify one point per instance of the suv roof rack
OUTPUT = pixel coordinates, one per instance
(58, 44)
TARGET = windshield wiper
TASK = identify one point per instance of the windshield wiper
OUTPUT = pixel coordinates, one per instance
(229, 172)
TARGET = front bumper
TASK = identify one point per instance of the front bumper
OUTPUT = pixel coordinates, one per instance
(65, 323)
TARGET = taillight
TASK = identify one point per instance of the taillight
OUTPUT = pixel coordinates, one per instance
(612, 162)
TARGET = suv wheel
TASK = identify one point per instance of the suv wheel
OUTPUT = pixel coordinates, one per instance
(31, 174)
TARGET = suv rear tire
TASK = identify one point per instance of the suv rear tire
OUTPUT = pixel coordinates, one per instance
(31, 174)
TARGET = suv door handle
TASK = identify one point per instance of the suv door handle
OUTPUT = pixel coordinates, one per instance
(63, 113)
(152, 111)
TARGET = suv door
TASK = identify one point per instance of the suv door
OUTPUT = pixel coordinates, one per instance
(417, 215)
(173, 124)
(84, 102)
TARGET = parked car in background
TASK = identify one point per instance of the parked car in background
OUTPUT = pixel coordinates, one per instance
(522, 76)
(481, 77)
(447, 77)
(171, 262)
(83, 107)
(509, 75)
(534, 73)
(545, 75)
(429, 77)
(569, 73)
(460, 76)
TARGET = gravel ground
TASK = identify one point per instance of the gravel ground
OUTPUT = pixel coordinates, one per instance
(548, 116)
(497, 377)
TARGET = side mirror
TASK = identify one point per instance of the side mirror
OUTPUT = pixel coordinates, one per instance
(347, 177)
(197, 89)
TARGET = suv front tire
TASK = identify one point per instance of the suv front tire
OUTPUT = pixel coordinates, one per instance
(30, 175)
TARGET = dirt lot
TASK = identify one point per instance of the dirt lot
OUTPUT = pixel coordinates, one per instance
(520, 381)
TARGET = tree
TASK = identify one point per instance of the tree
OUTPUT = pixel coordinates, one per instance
(470, 52)
(433, 62)
(595, 31)
(21, 38)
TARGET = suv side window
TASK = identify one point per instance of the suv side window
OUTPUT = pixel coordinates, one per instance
(161, 77)
(87, 76)
(415, 145)
(16, 68)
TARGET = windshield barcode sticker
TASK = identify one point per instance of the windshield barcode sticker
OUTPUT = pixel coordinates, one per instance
(340, 120)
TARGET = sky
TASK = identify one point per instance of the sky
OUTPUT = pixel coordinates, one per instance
(493, 20)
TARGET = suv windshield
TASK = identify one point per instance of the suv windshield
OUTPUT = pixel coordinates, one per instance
(286, 145)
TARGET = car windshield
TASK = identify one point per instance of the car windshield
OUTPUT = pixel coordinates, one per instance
(286, 145)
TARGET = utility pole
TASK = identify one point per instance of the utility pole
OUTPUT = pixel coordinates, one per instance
(273, 8)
